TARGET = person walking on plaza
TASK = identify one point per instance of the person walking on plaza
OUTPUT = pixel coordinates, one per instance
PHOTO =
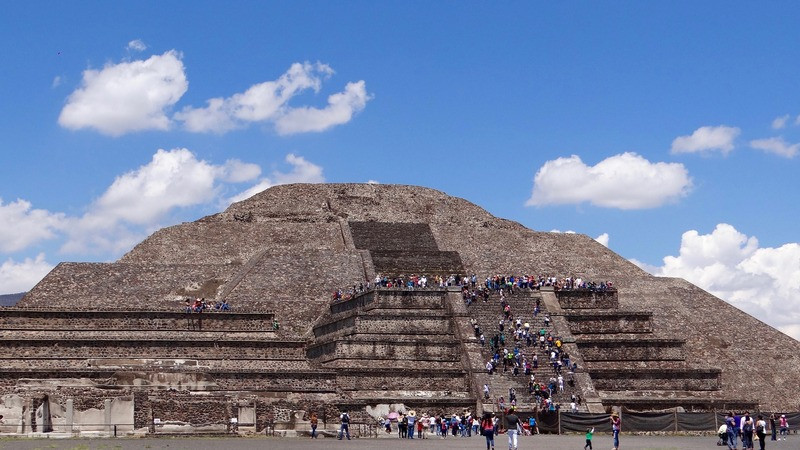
(773, 428)
(589, 433)
(314, 423)
(784, 424)
(513, 428)
(345, 429)
(616, 426)
(761, 431)
(487, 430)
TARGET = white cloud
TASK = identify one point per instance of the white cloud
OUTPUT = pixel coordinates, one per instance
(56, 82)
(373, 182)
(22, 226)
(126, 97)
(764, 282)
(22, 276)
(777, 146)
(261, 102)
(137, 45)
(780, 122)
(707, 139)
(173, 178)
(269, 102)
(624, 181)
(340, 109)
(235, 171)
(603, 239)
(302, 172)
(138, 200)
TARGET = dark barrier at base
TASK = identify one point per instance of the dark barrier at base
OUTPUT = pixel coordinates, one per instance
(579, 423)
(552, 422)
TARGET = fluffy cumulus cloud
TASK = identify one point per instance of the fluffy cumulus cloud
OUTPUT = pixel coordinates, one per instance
(341, 108)
(777, 146)
(763, 281)
(22, 226)
(22, 276)
(269, 102)
(780, 122)
(138, 200)
(706, 140)
(125, 97)
(624, 181)
(302, 171)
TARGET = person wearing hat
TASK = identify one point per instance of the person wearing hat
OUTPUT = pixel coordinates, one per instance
(784, 424)
(616, 425)
(412, 423)
(425, 423)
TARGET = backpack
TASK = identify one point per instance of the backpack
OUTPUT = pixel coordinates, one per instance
(345, 418)
(748, 427)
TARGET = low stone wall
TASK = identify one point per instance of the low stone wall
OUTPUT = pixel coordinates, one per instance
(414, 323)
(26, 319)
(587, 299)
(412, 380)
(631, 350)
(286, 381)
(97, 348)
(412, 299)
(419, 350)
(612, 322)
(357, 302)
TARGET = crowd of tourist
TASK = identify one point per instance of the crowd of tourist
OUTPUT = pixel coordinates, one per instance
(199, 305)
(751, 430)
(518, 349)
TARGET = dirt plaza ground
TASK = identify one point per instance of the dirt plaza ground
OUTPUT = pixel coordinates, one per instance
(541, 442)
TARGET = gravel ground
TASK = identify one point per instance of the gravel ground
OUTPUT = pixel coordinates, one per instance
(541, 442)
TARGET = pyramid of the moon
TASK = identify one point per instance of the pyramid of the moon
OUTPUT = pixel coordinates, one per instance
(115, 336)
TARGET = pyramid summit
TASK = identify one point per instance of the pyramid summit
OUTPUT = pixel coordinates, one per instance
(308, 329)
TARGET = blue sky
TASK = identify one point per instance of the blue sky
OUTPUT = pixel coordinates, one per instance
(669, 131)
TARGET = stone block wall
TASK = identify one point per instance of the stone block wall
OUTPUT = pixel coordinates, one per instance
(585, 299)
(98, 348)
(216, 242)
(26, 319)
(392, 236)
(614, 322)
(419, 380)
(631, 350)
(286, 381)
(393, 349)
(677, 380)
(418, 262)
(144, 287)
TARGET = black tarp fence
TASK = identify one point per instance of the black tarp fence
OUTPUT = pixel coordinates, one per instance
(557, 422)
